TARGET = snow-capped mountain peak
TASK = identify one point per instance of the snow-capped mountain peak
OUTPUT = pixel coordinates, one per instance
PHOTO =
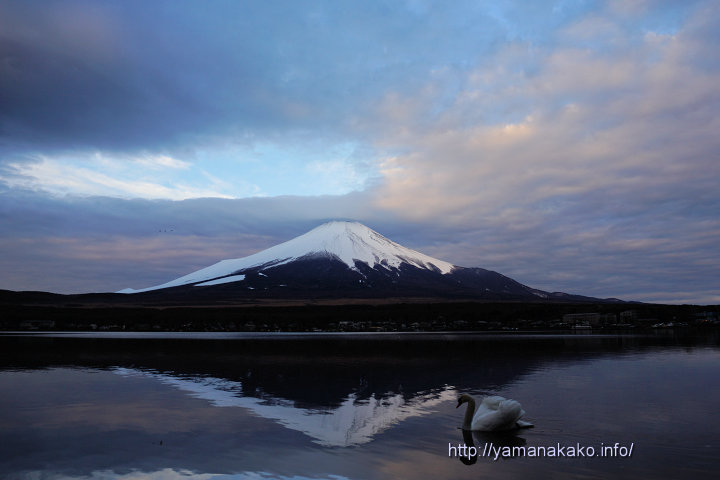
(350, 241)
(345, 241)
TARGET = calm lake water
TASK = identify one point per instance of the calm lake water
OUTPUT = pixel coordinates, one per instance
(372, 406)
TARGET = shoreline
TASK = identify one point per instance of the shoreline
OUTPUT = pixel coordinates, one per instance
(430, 316)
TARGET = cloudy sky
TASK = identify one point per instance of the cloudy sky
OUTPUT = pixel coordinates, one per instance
(572, 145)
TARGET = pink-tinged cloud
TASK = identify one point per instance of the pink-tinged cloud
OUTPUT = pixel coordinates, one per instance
(614, 158)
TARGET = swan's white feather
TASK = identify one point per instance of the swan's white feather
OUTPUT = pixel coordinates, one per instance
(498, 413)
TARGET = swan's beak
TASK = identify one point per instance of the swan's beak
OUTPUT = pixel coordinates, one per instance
(459, 403)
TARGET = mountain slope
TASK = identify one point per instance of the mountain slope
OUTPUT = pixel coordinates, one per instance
(345, 260)
(348, 242)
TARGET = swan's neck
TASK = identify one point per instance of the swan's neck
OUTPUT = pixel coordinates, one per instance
(469, 412)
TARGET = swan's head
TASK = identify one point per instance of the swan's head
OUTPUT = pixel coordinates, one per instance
(463, 399)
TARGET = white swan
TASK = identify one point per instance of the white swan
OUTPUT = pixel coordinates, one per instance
(494, 413)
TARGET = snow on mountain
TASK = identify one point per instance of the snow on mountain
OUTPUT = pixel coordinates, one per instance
(354, 422)
(345, 241)
(219, 281)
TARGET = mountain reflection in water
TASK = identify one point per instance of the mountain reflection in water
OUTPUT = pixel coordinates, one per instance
(355, 421)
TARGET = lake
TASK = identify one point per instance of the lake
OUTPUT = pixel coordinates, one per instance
(356, 406)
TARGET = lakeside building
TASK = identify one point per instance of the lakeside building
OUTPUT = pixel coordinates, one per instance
(592, 319)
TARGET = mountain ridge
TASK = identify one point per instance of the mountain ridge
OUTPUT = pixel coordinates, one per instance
(348, 242)
(347, 260)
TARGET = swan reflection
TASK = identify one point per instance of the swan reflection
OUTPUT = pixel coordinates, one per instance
(489, 443)
(354, 422)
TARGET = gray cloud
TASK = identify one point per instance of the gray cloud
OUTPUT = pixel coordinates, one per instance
(134, 75)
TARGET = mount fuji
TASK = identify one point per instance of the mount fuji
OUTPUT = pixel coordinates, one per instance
(346, 260)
